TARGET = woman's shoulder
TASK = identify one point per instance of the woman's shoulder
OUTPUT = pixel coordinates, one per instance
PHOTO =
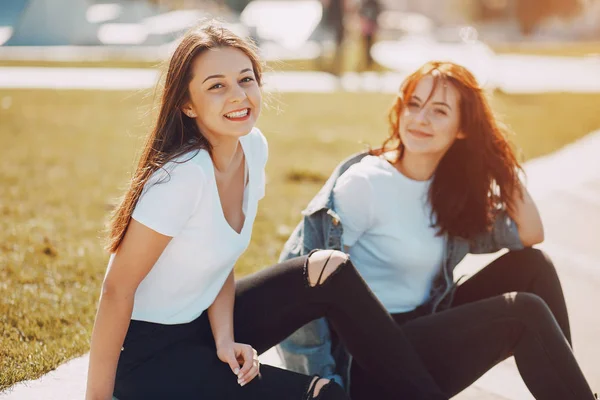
(256, 136)
(369, 167)
(256, 143)
(191, 167)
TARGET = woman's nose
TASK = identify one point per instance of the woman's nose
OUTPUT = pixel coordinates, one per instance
(422, 116)
(238, 94)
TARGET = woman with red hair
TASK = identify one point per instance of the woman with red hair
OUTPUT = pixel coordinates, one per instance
(444, 184)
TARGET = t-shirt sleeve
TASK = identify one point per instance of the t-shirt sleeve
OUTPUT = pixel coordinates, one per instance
(170, 198)
(262, 150)
(353, 202)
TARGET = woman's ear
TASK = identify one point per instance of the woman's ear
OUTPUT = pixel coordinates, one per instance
(461, 135)
(188, 110)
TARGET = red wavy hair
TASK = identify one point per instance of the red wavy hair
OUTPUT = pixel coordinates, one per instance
(478, 175)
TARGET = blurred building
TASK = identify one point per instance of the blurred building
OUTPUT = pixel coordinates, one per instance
(103, 22)
(512, 19)
(157, 22)
(49, 23)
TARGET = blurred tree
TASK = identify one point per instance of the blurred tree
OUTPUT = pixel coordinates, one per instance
(235, 5)
(530, 13)
(493, 9)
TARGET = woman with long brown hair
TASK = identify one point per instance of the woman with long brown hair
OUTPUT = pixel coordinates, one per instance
(172, 321)
(445, 183)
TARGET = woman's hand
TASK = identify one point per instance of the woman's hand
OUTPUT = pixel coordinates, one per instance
(527, 217)
(236, 355)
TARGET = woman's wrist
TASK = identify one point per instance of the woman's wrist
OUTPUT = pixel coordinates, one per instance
(224, 342)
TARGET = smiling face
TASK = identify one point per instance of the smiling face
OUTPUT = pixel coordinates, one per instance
(430, 121)
(224, 96)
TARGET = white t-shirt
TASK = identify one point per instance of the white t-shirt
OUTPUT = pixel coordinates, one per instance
(387, 224)
(185, 205)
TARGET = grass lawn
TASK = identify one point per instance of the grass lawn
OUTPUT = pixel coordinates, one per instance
(352, 54)
(292, 65)
(67, 154)
(572, 49)
(351, 58)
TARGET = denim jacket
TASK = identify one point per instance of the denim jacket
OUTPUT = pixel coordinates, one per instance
(309, 350)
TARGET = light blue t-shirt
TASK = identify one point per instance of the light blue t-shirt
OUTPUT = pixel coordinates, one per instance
(388, 226)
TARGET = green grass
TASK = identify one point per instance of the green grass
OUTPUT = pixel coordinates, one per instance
(287, 65)
(67, 154)
(115, 63)
(351, 58)
(351, 62)
(573, 49)
(292, 65)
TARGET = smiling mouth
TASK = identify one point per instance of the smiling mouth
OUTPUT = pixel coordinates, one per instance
(419, 133)
(238, 114)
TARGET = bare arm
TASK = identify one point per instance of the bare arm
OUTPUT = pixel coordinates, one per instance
(527, 217)
(138, 252)
(220, 315)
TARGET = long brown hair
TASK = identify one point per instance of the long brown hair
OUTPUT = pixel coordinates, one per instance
(478, 175)
(175, 133)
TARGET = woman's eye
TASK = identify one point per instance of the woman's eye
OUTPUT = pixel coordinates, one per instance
(441, 111)
(215, 86)
(247, 79)
(413, 104)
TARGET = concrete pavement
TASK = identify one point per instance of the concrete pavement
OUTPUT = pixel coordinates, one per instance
(508, 72)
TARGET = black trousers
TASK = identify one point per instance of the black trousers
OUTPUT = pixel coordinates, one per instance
(513, 307)
(180, 362)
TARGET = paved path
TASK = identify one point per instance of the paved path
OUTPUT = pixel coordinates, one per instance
(513, 73)
(510, 73)
(566, 187)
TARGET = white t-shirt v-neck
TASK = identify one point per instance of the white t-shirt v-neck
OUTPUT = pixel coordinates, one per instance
(181, 200)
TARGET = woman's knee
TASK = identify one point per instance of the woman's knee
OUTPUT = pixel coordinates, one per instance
(528, 306)
(325, 389)
(322, 264)
(536, 259)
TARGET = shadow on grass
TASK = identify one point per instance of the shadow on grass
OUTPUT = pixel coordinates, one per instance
(303, 175)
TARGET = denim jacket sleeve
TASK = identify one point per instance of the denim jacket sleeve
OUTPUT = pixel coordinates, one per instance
(504, 234)
(305, 237)
(309, 349)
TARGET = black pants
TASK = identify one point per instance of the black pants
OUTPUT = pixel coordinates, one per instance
(513, 307)
(180, 362)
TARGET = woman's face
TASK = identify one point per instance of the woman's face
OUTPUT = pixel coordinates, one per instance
(431, 127)
(225, 98)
